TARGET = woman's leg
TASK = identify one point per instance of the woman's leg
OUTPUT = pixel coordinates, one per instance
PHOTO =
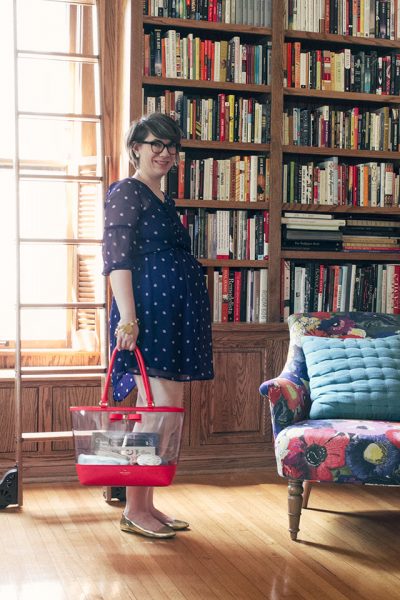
(139, 499)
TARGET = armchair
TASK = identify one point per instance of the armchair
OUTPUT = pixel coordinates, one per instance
(334, 450)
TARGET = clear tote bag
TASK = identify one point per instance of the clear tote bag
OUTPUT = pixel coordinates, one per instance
(127, 446)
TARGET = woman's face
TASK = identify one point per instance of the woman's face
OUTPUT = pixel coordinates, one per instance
(156, 156)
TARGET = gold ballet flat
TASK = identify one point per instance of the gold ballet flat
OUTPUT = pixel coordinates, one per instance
(131, 527)
(177, 525)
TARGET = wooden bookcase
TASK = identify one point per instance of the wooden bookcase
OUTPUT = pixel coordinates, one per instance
(226, 423)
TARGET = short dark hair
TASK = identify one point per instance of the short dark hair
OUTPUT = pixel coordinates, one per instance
(160, 125)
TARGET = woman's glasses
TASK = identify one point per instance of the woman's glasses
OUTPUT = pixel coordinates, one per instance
(158, 146)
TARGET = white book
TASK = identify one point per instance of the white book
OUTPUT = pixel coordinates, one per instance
(227, 11)
(217, 61)
(299, 289)
(307, 223)
(307, 215)
(352, 287)
(253, 178)
(263, 315)
(217, 297)
(222, 234)
(286, 290)
(256, 296)
(227, 172)
(389, 288)
(249, 295)
(379, 274)
(252, 239)
(384, 289)
(342, 303)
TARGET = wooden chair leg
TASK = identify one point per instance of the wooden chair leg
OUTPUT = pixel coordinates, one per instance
(307, 485)
(295, 500)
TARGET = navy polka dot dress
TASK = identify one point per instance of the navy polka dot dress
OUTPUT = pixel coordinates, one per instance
(145, 235)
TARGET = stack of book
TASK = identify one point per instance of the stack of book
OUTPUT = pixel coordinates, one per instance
(240, 295)
(311, 231)
(371, 234)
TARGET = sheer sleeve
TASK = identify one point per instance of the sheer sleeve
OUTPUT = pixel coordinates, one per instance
(122, 212)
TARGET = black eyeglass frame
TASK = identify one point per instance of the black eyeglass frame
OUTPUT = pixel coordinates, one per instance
(168, 146)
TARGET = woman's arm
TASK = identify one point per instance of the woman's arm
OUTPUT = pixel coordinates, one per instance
(121, 284)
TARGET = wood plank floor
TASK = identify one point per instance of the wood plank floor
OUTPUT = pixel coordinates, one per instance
(65, 544)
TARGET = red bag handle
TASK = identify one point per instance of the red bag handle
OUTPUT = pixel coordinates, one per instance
(149, 396)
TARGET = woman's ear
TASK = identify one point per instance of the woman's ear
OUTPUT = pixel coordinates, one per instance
(135, 148)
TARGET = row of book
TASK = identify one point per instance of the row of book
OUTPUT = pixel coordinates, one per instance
(238, 178)
(324, 232)
(170, 54)
(330, 182)
(312, 286)
(239, 295)
(344, 128)
(227, 117)
(343, 70)
(224, 234)
(247, 12)
(365, 18)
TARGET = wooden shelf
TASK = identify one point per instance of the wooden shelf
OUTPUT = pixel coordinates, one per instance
(342, 256)
(365, 154)
(222, 204)
(233, 146)
(343, 96)
(329, 208)
(42, 436)
(211, 262)
(343, 40)
(234, 28)
(226, 86)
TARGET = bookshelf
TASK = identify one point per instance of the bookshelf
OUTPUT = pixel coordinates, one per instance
(256, 351)
(366, 43)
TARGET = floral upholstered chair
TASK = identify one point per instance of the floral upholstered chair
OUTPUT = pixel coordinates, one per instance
(336, 405)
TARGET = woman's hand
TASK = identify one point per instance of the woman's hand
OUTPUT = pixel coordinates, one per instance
(127, 333)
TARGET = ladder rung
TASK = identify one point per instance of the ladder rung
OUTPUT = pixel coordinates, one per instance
(72, 57)
(76, 371)
(63, 116)
(41, 436)
(61, 177)
(65, 305)
(72, 241)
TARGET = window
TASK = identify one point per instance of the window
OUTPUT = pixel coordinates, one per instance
(51, 162)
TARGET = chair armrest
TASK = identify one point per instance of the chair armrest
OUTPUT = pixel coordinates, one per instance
(289, 401)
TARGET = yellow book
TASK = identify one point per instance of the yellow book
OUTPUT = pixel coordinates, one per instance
(231, 131)
(223, 59)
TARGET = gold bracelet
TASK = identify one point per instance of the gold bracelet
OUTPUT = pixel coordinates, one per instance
(126, 328)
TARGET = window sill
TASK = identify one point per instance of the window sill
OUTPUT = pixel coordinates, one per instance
(62, 357)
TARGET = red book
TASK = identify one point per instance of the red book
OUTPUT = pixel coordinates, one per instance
(203, 60)
(327, 15)
(289, 64)
(210, 12)
(237, 289)
(181, 176)
(222, 132)
(225, 294)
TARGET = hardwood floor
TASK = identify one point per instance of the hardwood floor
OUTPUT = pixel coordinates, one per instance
(65, 544)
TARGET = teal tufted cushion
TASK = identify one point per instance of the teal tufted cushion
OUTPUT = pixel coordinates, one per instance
(353, 378)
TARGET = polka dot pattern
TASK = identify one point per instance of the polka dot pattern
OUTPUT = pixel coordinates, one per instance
(145, 235)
